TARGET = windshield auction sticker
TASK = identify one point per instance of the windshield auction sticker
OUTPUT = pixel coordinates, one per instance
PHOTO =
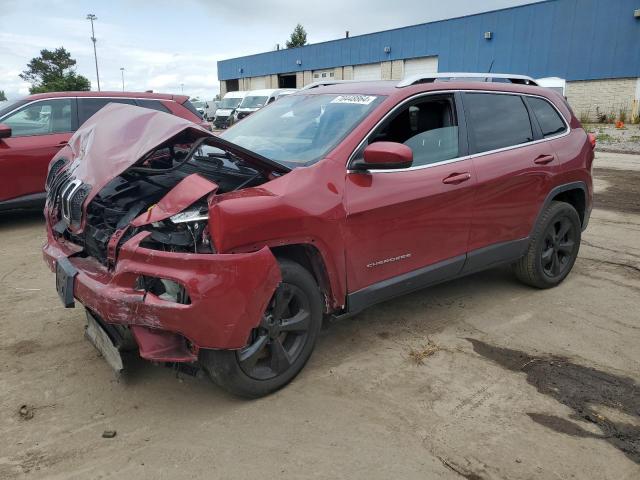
(357, 99)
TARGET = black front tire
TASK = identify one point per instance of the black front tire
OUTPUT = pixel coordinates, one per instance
(280, 346)
(553, 248)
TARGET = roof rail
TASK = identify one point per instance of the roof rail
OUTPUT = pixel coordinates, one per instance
(478, 77)
(327, 83)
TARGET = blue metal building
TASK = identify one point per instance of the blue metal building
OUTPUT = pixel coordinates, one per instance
(572, 39)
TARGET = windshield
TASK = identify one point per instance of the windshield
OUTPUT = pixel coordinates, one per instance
(298, 130)
(253, 102)
(230, 102)
(197, 104)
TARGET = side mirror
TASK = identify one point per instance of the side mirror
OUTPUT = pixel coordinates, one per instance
(385, 155)
(5, 131)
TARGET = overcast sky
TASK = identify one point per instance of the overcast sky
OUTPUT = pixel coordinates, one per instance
(163, 44)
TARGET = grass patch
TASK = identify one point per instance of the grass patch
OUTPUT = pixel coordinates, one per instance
(604, 137)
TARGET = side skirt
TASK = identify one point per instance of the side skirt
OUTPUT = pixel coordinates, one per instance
(456, 267)
(27, 202)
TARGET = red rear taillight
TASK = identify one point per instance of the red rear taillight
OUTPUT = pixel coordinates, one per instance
(592, 140)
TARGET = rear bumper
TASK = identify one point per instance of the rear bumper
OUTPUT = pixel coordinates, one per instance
(228, 294)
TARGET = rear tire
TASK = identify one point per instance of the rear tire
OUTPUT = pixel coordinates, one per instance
(553, 248)
(280, 346)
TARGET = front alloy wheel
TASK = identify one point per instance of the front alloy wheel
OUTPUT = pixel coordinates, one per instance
(279, 340)
(279, 346)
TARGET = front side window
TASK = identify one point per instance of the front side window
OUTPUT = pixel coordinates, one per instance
(428, 126)
(496, 121)
(41, 118)
(87, 107)
(548, 117)
(298, 130)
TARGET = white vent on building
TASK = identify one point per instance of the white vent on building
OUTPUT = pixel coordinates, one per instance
(323, 74)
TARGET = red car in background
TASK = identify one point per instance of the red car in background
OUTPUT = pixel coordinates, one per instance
(35, 128)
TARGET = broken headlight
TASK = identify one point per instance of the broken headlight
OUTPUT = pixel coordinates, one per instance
(191, 215)
(187, 231)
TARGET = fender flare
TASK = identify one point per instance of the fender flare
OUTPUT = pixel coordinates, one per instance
(578, 185)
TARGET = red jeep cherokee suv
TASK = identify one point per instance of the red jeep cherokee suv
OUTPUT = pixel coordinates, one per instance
(33, 129)
(226, 252)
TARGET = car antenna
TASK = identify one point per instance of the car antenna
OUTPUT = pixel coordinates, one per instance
(491, 65)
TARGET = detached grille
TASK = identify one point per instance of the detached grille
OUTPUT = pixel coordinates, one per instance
(68, 194)
(53, 171)
(57, 185)
(75, 203)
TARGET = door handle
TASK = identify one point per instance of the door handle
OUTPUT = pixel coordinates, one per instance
(544, 159)
(456, 178)
(62, 143)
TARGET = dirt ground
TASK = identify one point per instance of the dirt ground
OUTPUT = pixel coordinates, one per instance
(480, 378)
(619, 140)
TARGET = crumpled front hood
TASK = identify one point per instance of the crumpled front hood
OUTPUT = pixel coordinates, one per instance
(117, 137)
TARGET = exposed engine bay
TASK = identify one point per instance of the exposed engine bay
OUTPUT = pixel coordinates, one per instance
(139, 189)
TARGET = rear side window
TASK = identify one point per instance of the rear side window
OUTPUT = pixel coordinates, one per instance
(189, 106)
(153, 105)
(88, 106)
(496, 121)
(548, 117)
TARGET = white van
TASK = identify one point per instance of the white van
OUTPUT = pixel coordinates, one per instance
(256, 99)
(210, 108)
(226, 109)
(554, 83)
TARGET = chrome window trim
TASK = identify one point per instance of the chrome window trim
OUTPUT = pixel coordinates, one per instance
(78, 98)
(457, 159)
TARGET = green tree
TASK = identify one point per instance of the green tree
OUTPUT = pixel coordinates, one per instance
(298, 37)
(54, 71)
(3, 97)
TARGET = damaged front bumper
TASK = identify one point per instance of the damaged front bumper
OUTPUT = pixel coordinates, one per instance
(228, 294)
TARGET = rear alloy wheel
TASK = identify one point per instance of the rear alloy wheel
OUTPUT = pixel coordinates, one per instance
(559, 243)
(281, 344)
(553, 248)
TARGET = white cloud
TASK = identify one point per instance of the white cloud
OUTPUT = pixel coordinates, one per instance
(179, 43)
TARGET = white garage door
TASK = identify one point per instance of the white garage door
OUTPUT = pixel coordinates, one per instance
(371, 71)
(258, 83)
(420, 66)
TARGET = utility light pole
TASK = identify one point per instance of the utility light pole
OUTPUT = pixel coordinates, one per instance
(182, 87)
(91, 17)
(122, 71)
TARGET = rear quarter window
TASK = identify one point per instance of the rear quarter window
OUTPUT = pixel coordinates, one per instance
(549, 119)
(496, 121)
(189, 106)
(153, 105)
